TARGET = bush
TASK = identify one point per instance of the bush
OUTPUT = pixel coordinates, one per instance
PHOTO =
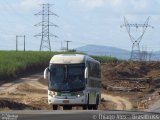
(105, 59)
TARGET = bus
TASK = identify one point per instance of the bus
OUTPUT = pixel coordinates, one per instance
(73, 80)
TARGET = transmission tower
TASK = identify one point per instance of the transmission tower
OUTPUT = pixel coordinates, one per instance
(135, 53)
(45, 34)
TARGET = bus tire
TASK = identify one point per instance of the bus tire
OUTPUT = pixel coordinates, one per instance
(90, 107)
(84, 107)
(95, 107)
(54, 107)
(67, 107)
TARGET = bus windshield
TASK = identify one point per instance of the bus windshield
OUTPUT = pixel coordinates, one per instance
(67, 77)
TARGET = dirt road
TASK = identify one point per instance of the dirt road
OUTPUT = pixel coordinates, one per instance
(121, 103)
(28, 90)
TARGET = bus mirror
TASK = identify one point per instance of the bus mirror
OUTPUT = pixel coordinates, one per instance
(46, 73)
(86, 73)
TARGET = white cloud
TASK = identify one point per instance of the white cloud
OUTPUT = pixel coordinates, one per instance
(116, 3)
(140, 4)
(30, 4)
(92, 3)
(119, 6)
(21, 6)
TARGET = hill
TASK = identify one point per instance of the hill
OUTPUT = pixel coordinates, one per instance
(105, 51)
(100, 50)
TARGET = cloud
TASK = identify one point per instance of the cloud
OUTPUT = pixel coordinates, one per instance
(120, 6)
(30, 4)
(140, 5)
(20, 6)
(116, 3)
(91, 4)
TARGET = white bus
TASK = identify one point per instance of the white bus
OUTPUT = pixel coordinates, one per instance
(73, 80)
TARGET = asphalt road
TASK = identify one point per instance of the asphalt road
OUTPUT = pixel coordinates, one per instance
(79, 115)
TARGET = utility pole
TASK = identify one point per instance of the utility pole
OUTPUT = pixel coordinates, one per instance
(67, 41)
(45, 23)
(24, 41)
(16, 43)
(135, 54)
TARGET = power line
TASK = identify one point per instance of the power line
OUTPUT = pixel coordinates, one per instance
(45, 34)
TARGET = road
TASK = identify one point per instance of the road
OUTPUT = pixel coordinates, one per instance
(79, 115)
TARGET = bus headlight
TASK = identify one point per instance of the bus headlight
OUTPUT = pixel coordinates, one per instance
(80, 94)
(52, 93)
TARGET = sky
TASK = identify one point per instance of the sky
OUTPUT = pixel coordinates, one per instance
(80, 21)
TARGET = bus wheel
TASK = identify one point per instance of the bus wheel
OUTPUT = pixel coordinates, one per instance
(95, 107)
(84, 107)
(67, 107)
(55, 107)
(89, 107)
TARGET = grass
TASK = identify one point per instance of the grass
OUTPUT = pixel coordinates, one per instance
(14, 64)
(105, 59)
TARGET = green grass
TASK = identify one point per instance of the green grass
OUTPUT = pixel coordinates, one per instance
(13, 64)
(105, 59)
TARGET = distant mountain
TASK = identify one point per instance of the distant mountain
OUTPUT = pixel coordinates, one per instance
(105, 51)
(156, 55)
(113, 52)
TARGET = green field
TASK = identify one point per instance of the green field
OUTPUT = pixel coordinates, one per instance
(14, 64)
(105, 59)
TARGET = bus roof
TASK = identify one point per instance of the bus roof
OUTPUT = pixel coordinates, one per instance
(69, 58)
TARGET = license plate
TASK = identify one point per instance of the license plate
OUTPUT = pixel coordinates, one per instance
(65, 101)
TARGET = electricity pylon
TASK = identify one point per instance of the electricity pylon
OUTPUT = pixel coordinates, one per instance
(45, 23)
(135, 53)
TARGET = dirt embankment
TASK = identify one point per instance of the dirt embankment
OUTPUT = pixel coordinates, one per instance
(25, 93)
(130, 70)
(136, 81)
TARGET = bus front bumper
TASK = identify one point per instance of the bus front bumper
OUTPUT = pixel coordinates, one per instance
(67, 101)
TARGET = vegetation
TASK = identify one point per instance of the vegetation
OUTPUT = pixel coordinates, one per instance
(105, 59)
(14, 64)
